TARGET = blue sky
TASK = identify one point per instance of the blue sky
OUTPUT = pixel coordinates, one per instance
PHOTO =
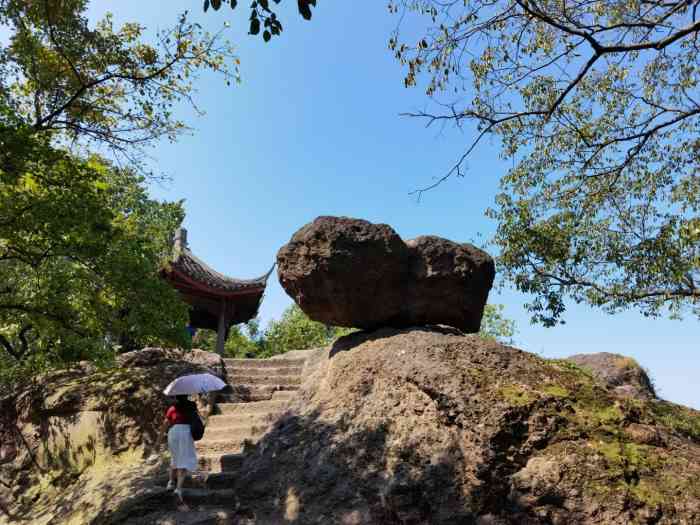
(314, 129)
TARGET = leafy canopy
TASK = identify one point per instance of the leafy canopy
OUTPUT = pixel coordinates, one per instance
(102, 86)
(81, 243)
(80, 246)
(262, 15)
(597, 106)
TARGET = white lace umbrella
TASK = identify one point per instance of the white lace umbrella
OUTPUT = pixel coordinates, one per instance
(194, 384)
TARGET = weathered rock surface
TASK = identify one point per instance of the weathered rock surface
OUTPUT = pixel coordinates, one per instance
(205, 361)
(79, 437)
(421, 426)
(350, 272)
(620, 373)
(345, 272)
(427, 426)
(448, 283)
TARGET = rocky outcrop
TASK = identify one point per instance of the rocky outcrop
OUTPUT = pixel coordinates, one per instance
(420, 426)
(350, 272)
(621, 374)
(203, 360)
(82, 434)
(427, 426)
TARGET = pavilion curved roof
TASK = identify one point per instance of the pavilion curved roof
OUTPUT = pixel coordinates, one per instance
(188, 265)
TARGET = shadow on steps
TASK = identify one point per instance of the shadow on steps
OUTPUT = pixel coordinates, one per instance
(309, 471)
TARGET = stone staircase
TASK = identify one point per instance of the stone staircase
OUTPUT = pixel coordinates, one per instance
(259, 390)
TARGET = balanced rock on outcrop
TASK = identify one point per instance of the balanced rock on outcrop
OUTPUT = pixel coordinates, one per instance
(350, 272)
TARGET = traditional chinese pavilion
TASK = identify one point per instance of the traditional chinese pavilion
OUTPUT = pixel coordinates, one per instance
(216, 301)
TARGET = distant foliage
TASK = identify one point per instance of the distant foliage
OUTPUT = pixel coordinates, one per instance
(293, 331)
(495, 327)
(243, 340)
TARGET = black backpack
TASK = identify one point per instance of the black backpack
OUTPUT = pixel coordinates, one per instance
(196, 424)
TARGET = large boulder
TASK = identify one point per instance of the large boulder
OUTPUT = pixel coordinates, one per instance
(620, 373)
(426, 426)
(448, 283)
(350, 272)
(152, 356)
(345, 272)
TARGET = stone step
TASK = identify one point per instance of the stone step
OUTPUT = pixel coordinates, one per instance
(196, 496)
(208, 447)
(217, 463)
(264, 380)
(199, 515)
(264, 363)
(158, 506)
(246, 388)
(232, 420)
(235, 432)
(208, 480)
(248, 393)
(235, 371)
(284, 394)
(252, 407)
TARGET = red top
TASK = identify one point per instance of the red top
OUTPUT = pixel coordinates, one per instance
(175, 417)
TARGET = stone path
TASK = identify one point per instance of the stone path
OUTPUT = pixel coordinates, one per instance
(259, 391)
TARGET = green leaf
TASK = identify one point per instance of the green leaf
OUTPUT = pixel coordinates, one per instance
(266, 36)
(206, 5)
(304, 9)
(254, 26)
(216, 4)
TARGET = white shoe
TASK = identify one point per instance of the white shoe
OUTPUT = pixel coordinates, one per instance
(170, 485)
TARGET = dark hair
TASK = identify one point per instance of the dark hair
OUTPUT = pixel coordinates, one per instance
(181, 401)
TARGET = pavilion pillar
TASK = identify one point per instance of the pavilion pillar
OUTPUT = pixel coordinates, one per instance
(221, 331)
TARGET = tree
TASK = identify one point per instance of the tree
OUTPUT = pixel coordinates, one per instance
(243, 343)
(80, 241)
(80, 249)
(244, 340)
(597, 106)
(100, 86)
(262, 15)
(495, 327)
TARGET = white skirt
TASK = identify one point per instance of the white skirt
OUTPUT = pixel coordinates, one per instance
(181, 445)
